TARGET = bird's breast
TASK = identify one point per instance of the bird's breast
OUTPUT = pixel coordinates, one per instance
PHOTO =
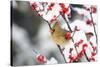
(59, 38)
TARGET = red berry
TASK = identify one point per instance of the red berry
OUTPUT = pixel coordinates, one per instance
(39, 15)
(65, 10)
(93, 9)
(84, 45)
(50, 6)
(81, 53)
(34, 6)
(92, 59)
(89, 22)
(93, 53)
(54, 16)
(94, 48)
(62, 5)
(78, 43)
(72, 58)
(41, 58)
(81, 41)
(68, 35)
(51, 20)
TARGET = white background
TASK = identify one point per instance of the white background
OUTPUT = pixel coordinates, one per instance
(5, 33)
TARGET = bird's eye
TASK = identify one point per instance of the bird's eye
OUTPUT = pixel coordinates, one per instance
(53, 30)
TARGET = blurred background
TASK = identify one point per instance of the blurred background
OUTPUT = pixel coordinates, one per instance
(28, 33)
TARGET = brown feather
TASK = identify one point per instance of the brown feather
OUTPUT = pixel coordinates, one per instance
(59, 35)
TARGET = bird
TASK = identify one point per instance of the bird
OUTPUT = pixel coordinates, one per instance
(60, 36)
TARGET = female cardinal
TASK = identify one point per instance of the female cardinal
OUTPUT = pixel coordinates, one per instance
(59, 35)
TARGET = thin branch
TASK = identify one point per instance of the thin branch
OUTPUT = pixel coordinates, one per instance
(70, 31)
(67, 23)
(94, 27)
(62, 53)
(73, 33)
(86, 57)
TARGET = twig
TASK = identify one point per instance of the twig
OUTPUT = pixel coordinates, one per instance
(94, 27)
(62, 53)
(67, 23)
(86, 57)
(70, 31)
(73, 33)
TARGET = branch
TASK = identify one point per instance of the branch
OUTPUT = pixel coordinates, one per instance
(61, 53)
(86, 57)
(72, 37)
(70, 31)
(94, 27)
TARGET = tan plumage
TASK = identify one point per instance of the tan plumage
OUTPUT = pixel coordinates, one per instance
(58, 35)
